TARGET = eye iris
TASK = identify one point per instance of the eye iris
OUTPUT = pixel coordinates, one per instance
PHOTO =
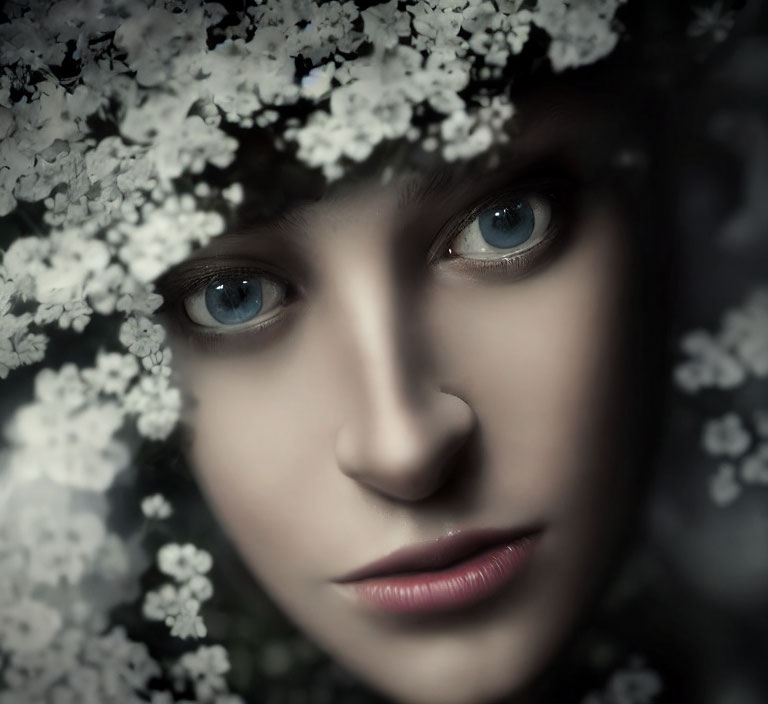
(507, 227)
(232, 302)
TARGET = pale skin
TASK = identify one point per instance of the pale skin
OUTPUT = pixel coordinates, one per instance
(401, 397)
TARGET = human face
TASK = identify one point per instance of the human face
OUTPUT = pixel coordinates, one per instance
(405, 392)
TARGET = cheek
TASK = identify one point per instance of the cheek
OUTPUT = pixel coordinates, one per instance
(540, 361)
(262, 439)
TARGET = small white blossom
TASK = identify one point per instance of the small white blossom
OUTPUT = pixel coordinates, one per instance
(710, 365)
(182, 562)
(187, 623)
(28, 626)
(205, 669)
(726, 436)
(384, 24)
(141, 336)
(754, 467)
(198, 587)
(113, 372)
(714, 20)
(745, 332)
(724, 487)
(581, 33)
(61, 548)
(157, 405)
(156, 506)
(64, 388)
(161, 603)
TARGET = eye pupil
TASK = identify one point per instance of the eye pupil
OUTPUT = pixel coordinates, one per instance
(235, 301)
(508, 226)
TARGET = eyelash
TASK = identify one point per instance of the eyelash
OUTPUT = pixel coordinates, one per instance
(193, 280)
(557, 192)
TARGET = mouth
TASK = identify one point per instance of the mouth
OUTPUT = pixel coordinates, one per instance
(449, 573)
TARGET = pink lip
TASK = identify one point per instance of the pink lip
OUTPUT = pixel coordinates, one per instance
(449, 573)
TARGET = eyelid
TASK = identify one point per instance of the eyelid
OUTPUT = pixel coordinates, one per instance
(554, 190)
(195, 303)
(191, 278)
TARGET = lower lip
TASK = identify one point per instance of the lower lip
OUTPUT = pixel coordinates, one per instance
(455, 587)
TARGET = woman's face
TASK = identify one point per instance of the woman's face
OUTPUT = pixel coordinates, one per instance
(425, 371)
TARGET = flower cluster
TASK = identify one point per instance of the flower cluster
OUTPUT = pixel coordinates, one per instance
(726, 360)
(178, 606)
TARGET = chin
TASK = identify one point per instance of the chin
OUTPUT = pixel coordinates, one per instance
(453, 668)
(465, 685)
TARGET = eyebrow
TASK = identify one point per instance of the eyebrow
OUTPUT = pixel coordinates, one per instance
(293, 222)
(418, 189)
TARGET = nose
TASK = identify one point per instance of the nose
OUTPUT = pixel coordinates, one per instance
(404, 431)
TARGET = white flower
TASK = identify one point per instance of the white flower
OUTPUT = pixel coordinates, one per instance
(198, 587)
(581, 33)
(711, 365)
(137, 299)
(745, 332)
(28, 626)
(206, 661)
(233, 193)
(159, 362)
(157, 405)
(76, 315)
(61, 547)
(725, 436)
(24, 260)
(754, 467)
(161, 603)
(724, 488)
(141, 336)
(156, 506)
(384, 24)
(187, 623)
(74, 448)
(165, 236)
(190, 147)
(113, 372)
(182, 562)
(124, 666)
(64, 388)
(29, 347)
(102, 289)
(205, 669)
(463, 136)
(714, 20)
(634, 685)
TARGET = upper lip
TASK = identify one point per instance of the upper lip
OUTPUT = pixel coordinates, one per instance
(438, 553)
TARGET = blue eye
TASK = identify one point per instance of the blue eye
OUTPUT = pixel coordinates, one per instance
(508, 226)
(504, 230)
(235, 301)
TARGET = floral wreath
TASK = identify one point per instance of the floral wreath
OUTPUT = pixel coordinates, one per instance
(113, 113)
